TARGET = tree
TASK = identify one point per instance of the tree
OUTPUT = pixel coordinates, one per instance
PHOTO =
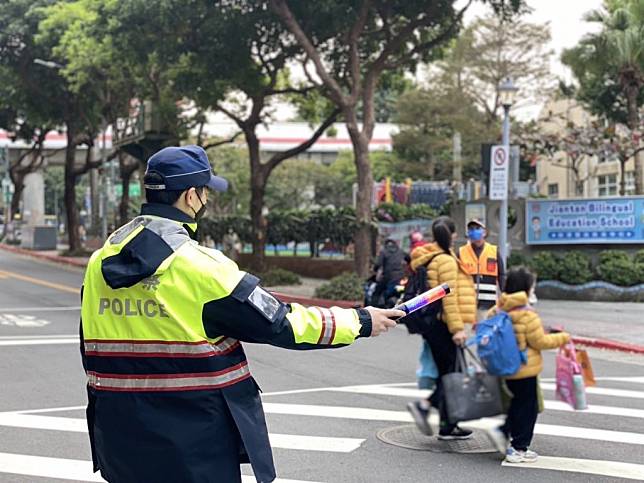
(609, 67)
(491, 49)
(351, 45)
(247, 85)
(25, 110)
(428, 120)
(84, 101)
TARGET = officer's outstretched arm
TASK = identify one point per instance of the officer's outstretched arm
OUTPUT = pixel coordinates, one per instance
(251, 314)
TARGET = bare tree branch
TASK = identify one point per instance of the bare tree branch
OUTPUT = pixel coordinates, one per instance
(238, 120)
(284, 12)
(224, 141)
(354, 57)
(279, 157)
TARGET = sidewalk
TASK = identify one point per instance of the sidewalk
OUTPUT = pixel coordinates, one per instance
(608, 325)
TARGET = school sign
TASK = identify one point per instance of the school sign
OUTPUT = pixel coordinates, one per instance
(590, 221)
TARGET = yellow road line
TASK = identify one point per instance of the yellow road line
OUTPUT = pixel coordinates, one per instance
(37, 281)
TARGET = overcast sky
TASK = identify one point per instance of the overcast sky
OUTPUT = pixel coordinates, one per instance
(567, 27)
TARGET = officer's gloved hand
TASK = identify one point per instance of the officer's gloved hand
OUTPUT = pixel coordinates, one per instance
(383, 319)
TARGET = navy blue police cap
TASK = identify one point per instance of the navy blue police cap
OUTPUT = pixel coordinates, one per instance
(183, 167)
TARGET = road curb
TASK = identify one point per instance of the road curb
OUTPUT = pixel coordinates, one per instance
(585, 341)
(608, 344)
(41, 256)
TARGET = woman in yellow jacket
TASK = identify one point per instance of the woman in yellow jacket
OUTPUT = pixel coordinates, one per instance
(517, 300)
(459, 308)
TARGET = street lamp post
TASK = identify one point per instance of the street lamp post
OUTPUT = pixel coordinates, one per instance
(507, 91)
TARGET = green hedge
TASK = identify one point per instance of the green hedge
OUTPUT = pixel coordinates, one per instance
(575, 268)
(335, 225)
(546, 265)
(347, 286)
(279, 276)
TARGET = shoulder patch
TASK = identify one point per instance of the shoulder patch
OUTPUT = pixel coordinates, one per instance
(264, 303)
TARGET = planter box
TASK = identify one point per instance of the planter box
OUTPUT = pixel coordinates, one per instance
(305, 266)
(590, 292)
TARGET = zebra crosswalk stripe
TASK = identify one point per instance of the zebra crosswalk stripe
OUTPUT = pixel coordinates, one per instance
(71, 469)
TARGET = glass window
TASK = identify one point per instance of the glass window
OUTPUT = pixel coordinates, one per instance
(607, 185)
(630, 183)
(553, 190)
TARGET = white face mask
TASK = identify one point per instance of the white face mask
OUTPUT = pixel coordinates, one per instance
(532, 298)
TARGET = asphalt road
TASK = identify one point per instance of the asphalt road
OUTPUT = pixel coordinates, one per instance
(324, 408)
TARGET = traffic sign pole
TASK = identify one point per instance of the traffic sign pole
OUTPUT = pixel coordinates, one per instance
(503, 215)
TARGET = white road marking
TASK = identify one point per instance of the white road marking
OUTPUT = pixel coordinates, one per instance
(595, 409)
(616, 469)
(634, 379)
(286, 441)
(601, 391)
(39, 309)
(337, 412)
(567, 431)
(19, 342)
(69, 469)
(21, 320)
(315, 443)
(384, 391)
(63, 469)
(38, 337)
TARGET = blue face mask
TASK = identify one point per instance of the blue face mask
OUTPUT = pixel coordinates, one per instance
(475, 234)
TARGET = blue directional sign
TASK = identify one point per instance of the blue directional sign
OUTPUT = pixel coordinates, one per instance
(597, 220)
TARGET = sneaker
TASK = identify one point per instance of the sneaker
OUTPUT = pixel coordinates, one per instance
(456, 434)
(421, 417)
(498, 439)
(515, 456)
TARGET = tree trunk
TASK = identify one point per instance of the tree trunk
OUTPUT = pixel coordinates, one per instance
(127, 169)
(632, 93)
(362, 238)
(18, 187)
(71, 210)
(257, 192)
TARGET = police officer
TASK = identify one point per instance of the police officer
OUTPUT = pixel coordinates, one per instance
(170, 394)
(481, 260)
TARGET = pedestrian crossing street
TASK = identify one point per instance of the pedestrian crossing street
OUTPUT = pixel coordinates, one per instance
(606, 441)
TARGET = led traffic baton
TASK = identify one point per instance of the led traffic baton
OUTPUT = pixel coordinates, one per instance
(424, 299)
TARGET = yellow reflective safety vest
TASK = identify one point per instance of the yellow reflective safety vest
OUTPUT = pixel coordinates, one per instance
(170, 394)
(484, 270)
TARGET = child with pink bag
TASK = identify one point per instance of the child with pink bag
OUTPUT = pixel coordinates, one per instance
(518, 299)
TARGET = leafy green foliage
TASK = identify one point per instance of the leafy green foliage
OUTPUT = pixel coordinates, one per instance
(347, 286)
(278, 276)
(517, 259)
(546, 265)
(609, 62)
(393, 212)
(616, 267)
(575, 268)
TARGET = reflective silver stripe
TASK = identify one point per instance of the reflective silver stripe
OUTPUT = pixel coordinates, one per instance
(488, 296)
(204, 349)
(328, 330)
(168, 382)
(490, 287)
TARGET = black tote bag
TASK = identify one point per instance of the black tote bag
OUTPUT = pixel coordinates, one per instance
(473, 396)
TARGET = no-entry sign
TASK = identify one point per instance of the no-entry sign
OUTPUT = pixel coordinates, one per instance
(499, 170)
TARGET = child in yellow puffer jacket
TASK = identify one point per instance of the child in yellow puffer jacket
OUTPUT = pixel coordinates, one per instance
(517, 300)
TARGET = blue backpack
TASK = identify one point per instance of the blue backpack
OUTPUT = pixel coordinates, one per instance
(497, 345)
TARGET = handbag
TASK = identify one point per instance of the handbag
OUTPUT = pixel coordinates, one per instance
(470, 392)
(570, 382)
(586, 367)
